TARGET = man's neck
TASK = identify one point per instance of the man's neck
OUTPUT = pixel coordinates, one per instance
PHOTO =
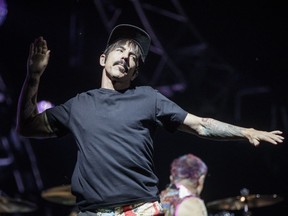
(186, 191)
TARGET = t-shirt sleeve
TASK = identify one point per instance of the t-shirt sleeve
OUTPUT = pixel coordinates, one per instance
(58, 118)
(168, 113)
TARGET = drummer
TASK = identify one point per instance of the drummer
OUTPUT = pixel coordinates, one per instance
(182, 196)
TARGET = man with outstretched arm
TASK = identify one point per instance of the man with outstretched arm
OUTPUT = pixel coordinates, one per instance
(113, 127)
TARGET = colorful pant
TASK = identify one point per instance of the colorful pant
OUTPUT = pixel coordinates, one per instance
(140, 209)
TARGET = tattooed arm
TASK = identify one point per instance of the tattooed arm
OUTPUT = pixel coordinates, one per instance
(30, 123)
(217, 130)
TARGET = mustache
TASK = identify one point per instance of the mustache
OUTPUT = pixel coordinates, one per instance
(123, 63)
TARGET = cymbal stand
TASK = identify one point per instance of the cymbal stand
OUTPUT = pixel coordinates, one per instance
(244, 193)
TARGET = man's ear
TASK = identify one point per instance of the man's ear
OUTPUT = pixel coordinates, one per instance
(200, 184)
(202, 179)
(102, 60)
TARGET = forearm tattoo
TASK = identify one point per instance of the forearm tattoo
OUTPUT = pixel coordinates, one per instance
(214, 128)
(29, 97)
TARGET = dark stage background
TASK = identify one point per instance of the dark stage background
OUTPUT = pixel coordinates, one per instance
(222, 59)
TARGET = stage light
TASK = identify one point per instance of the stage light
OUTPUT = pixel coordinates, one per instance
(43, 105)
(3, 11)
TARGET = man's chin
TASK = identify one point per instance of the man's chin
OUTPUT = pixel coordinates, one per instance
(117, 77)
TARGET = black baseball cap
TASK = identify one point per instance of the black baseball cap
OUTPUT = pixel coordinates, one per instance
(127, 31)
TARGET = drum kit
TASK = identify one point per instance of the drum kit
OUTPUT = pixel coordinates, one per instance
(9, 205)
(243, 202)
(62, 195)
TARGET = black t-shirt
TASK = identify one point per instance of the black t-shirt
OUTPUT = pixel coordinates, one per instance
(114, 133)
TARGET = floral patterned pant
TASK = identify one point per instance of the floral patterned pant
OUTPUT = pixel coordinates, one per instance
(140, 209)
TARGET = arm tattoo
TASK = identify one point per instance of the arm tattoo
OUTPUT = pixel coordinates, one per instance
(30, 97)
(214, 128)
(33, 82)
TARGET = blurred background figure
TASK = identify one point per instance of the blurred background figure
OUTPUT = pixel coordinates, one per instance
(182, 196)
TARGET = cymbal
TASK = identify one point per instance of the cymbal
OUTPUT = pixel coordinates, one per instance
(239, 202)
(60, 194)
(9, 205)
